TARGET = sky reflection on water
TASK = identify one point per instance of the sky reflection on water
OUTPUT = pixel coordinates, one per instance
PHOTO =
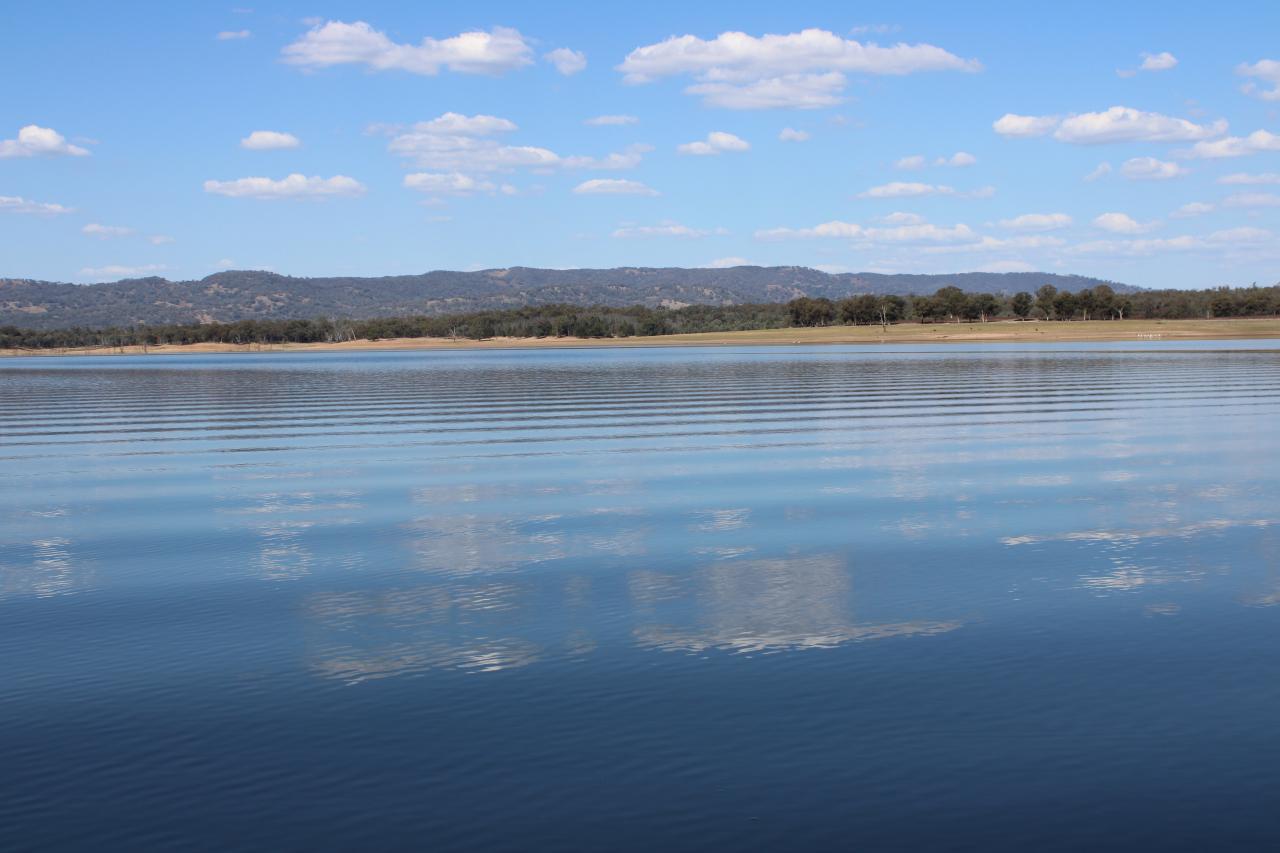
(765, 536)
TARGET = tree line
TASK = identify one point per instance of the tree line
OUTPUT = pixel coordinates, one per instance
(947, 305)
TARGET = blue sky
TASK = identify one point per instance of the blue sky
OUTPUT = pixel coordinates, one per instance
(1136, 142)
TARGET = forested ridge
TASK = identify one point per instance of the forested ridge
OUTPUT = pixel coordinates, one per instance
(947, 305)
(258, 295)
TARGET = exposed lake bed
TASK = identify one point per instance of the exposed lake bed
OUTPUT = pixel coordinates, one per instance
(844, 596)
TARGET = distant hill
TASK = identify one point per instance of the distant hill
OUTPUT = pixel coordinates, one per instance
(248, 294)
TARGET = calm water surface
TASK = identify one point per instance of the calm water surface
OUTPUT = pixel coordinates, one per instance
(997, 598)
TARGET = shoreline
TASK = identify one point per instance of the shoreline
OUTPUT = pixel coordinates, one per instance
(1000, 331)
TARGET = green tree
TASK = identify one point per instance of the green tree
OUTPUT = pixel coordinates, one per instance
(1021, 305)
(1044, 300)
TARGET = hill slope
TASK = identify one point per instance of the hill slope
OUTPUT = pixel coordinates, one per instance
(238, 295)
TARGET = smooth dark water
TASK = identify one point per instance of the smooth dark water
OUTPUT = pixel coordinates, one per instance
(878, 598)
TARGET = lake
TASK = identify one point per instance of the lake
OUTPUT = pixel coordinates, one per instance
(996, 597)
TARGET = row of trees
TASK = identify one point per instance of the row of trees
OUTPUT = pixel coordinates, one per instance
(949, 304)
(953, 305)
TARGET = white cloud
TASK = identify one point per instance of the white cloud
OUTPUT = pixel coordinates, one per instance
(716, 142)
(1011, 124)
(1236, 146)
(232, 35)
(1158, 61)
(292, 186)
(800, 70)
(268, 140)
(1099, 171)
(224, 263)
(1037, 222)
(628, 158)
(910, 189)
(34, 140)
(901, 218)
(726, 263)
(613, 186)
(1122, 223)
(1190, 209)
(120, 271)
(446, 183)
(915, 161)
(788, 134)
(477, 52)
(909, 234)
(159, 239)
(567, 62)
(1229, 240)
(1117, 124)
(1266, 70)
(1250, 180)
(611, 120)
(905, 189)
(458, 143)
(1151, 169)
(958, 159)
(1252, 200)
(94, 229)
(665, 229)
(999, 244)
(18, 204)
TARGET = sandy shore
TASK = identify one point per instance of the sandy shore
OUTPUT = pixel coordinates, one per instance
(1007, 331)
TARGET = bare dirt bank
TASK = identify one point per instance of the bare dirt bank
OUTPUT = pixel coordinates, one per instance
(1007, 331)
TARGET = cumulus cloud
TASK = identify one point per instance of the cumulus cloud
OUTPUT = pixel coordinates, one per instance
(34, 141)
(1229, 239)
(958, 159)
(232, 35)
(94, 229)
(1248, 179)
(1266, 70)
(613, 186)
(911, 163)
(1190, 209)
(611, 120)
(716, 142)
(447, 183)
(268, 140)
(1122, 223)
(1235, 146)
(1158, 61)
(18, 204)
(901, 218)
(477, 52)
(292, 186)
(665, 229)
(454, 142)
(917, 233)
(799, 70)
(567, 62)
(121, 271)
(628, 158)
(1116, 124)
(909, 189)
(1151, 169)
(1101, 170)
(1011, 124)
(159, 239)
(788, 134)
(726, 263)
(455, 152)
(1252, 200)
(1037, 222)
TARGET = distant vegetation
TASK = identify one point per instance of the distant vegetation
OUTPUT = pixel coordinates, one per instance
(947, 305)
(255, 295)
